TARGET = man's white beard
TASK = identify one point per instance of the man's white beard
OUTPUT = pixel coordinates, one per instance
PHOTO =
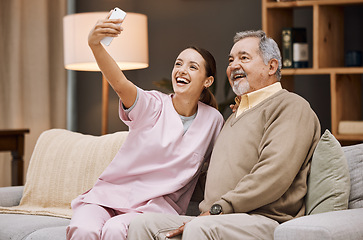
(240, 87)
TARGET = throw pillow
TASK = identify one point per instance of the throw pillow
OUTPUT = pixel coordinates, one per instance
(354, 156)
(329, 182)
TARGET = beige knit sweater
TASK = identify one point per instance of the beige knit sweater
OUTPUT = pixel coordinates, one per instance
(261, 159)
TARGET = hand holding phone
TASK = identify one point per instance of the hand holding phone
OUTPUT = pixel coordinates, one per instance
(116, 14)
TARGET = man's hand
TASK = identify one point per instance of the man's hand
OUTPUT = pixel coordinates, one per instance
(176, 232)
(235, 106)
(180, 229)
(204, 214)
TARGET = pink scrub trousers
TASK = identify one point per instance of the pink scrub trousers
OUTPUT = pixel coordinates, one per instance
(94, 222)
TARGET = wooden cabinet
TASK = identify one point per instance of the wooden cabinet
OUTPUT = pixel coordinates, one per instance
(327, 54)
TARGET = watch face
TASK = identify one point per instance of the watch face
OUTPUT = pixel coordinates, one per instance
(216, 209)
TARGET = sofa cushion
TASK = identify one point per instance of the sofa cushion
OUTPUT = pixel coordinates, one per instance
(63, 165)
(354, 155)
(18, 226)
(328, 183)
(10, 196)
(337, 225)
(47, 233)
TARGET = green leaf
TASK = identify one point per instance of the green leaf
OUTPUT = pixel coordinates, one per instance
(164, 84)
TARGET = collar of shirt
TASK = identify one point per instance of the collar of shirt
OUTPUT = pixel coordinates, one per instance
(251, 99)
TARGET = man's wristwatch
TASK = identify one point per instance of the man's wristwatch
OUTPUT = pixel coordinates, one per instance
(216, 209)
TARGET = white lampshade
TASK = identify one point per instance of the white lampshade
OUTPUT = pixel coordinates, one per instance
(130, 49)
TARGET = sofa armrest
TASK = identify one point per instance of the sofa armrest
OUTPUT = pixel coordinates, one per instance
(10, 196)
(344, 224)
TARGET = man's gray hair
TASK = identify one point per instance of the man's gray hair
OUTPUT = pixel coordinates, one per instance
(268, 47)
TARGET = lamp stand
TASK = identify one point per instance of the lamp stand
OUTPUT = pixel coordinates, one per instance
(104, 105)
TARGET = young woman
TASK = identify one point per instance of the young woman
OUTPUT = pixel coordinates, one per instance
(170, 137)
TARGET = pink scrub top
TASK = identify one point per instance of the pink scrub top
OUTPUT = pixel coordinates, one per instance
(157, 167)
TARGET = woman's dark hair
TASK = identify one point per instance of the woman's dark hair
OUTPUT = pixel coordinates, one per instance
(207, 96)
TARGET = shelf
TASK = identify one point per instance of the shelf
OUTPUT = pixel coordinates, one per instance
(322, 71)
(328, 19)
(303, 3)
(350, 137)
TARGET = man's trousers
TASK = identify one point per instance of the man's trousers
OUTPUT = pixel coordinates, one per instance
(222, 227)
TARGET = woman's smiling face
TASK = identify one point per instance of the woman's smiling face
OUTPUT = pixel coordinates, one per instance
(189, 73)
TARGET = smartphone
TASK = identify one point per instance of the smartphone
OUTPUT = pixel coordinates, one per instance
(116, 14)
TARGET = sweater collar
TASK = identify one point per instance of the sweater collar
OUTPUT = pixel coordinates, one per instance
(251, 99)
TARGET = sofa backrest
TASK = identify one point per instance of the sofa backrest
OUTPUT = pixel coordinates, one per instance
(354, 155)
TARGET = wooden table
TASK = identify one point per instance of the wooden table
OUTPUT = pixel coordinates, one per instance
(13, 140)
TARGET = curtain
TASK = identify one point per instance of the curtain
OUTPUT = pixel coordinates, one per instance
(32, 74)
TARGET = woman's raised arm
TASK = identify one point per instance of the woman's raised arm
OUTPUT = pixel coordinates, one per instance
(124, 88)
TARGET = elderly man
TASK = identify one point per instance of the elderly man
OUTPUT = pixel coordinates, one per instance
(260, 162)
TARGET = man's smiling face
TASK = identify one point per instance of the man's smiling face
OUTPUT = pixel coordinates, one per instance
(246, 71)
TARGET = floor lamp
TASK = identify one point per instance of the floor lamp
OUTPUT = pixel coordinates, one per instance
(130, 50)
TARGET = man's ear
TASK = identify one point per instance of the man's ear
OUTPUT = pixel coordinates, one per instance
(209, 82)
(273, 66)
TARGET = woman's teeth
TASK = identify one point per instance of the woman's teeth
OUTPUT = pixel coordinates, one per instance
(182, 80)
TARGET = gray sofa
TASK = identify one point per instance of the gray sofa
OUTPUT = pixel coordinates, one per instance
(34, 222)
